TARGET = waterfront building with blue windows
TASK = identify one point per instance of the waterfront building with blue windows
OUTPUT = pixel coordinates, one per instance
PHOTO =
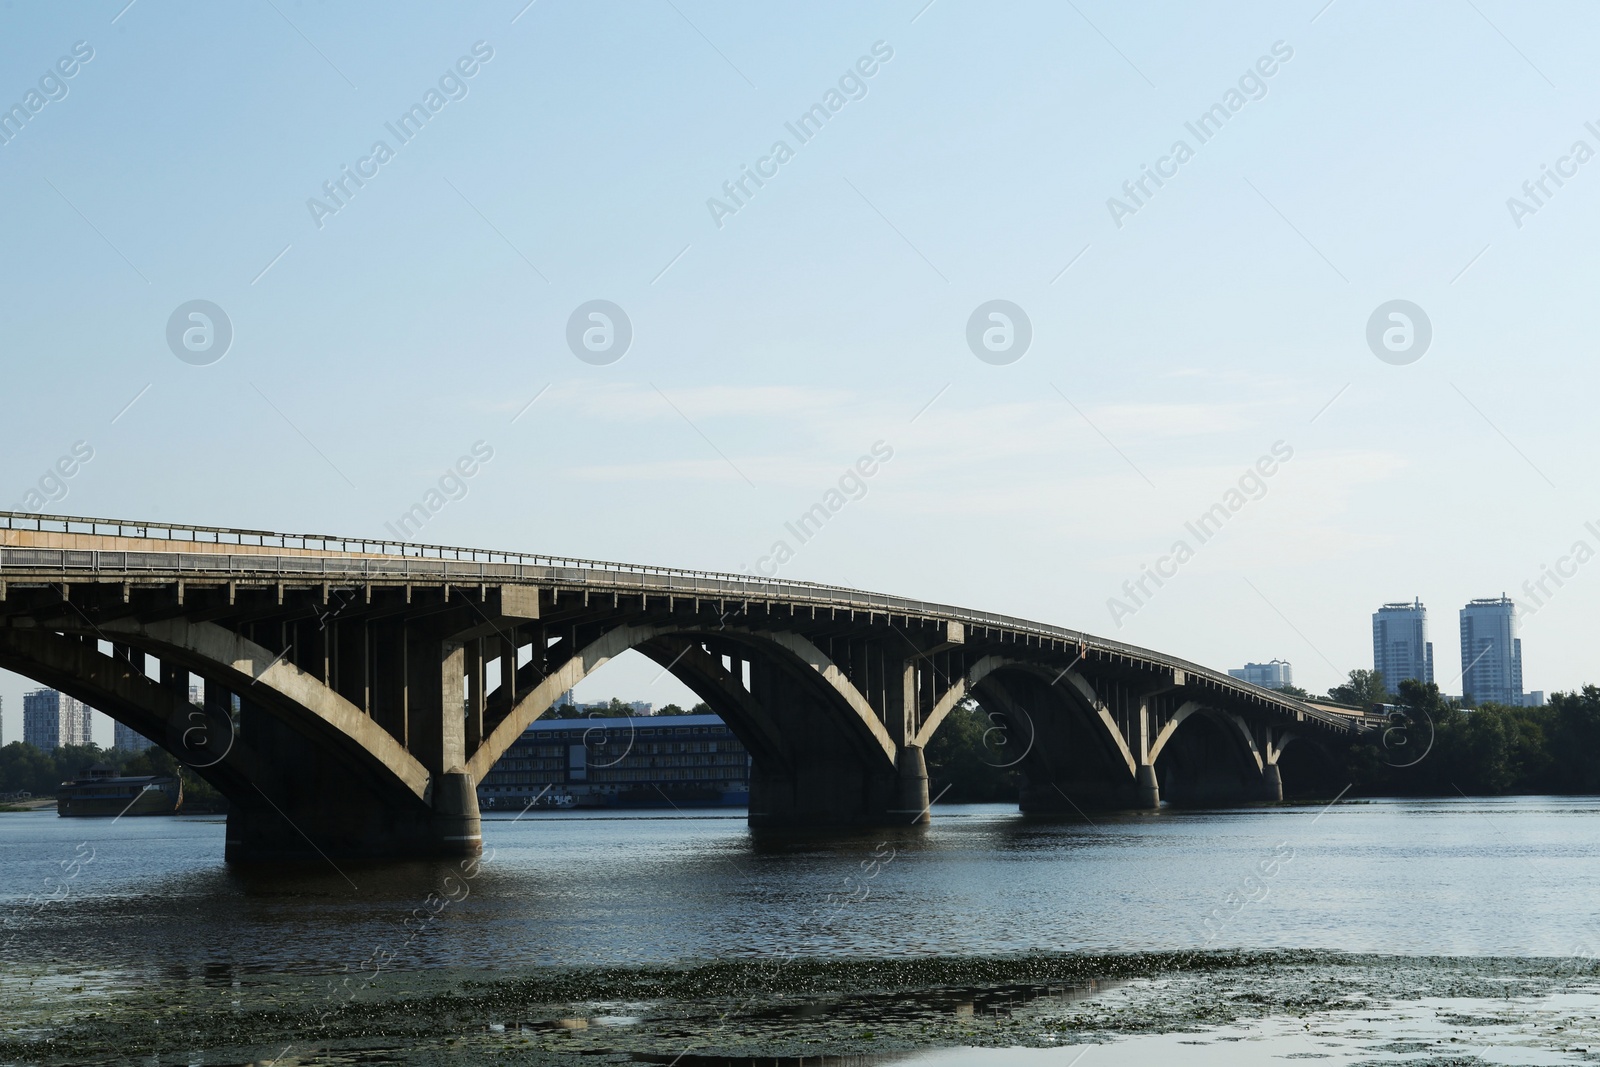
(621, 761)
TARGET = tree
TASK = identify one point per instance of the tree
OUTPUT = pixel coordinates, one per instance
(153, 760)
(1477, 753)
(1575, 740)
(1420, 696)
(1364, 689)
(674, 709)
(966, 754)
(1294, 691)
(23, 767)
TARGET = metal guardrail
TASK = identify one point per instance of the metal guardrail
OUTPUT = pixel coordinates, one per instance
(220, 535)
(470, 566)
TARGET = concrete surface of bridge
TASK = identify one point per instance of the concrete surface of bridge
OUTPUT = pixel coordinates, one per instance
(356, 691)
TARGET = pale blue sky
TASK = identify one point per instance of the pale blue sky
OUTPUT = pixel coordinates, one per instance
(824, 315)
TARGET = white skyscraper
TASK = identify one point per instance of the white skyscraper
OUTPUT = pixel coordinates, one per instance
(1400, 645)
(51, 719)
(1274, 675)
(1491, 652)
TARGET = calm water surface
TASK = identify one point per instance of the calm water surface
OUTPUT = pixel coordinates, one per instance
(1501, 877)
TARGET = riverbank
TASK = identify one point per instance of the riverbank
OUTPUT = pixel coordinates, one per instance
(35, 804)
(753, 1008)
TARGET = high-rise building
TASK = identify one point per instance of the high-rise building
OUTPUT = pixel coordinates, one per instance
(1400, 645)
(1491, 652)
(1274, 675)
(51, 719)
(129, 740)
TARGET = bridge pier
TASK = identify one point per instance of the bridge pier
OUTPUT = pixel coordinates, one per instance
(1271, 783)
(309, 805)
(824, 794)
(828, 771)
(839, 793)
(312, 821)
(1147, 789)
(314, 803)
(913, 770)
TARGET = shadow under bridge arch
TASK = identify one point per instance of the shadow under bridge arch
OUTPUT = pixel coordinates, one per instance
(822, 753)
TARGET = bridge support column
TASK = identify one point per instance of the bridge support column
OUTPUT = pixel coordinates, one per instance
(305, 803)
(456, 823)
(1146, 786)
(913, 771)
(1271, 782)
(310, 807)
(1149, 792)
(438, 711)
(829, 776)
(817, 794)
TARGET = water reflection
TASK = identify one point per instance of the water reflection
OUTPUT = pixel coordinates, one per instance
(1503, 877)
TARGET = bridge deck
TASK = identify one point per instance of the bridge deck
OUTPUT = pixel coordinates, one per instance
(56, 548)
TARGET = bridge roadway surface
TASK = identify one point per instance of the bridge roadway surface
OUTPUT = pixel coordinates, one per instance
(334, 668)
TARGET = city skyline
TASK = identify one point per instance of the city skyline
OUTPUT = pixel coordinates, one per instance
(1490, 648)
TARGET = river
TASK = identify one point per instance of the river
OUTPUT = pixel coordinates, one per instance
(983, 929)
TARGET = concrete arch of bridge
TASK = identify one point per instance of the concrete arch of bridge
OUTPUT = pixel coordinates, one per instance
(294, 697)
(297, 788)
(113, 686)
(1072, 755)
(327, 780)
(1229, 722)
(1205, 756)
(798, 659)
(687, 660)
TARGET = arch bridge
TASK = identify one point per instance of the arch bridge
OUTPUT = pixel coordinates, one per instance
(356, 691)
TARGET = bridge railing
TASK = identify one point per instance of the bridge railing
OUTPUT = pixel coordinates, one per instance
(397, 561)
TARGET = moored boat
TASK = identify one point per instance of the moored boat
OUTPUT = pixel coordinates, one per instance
(101, 791)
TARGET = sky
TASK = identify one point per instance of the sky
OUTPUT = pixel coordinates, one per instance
(1159, 348)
